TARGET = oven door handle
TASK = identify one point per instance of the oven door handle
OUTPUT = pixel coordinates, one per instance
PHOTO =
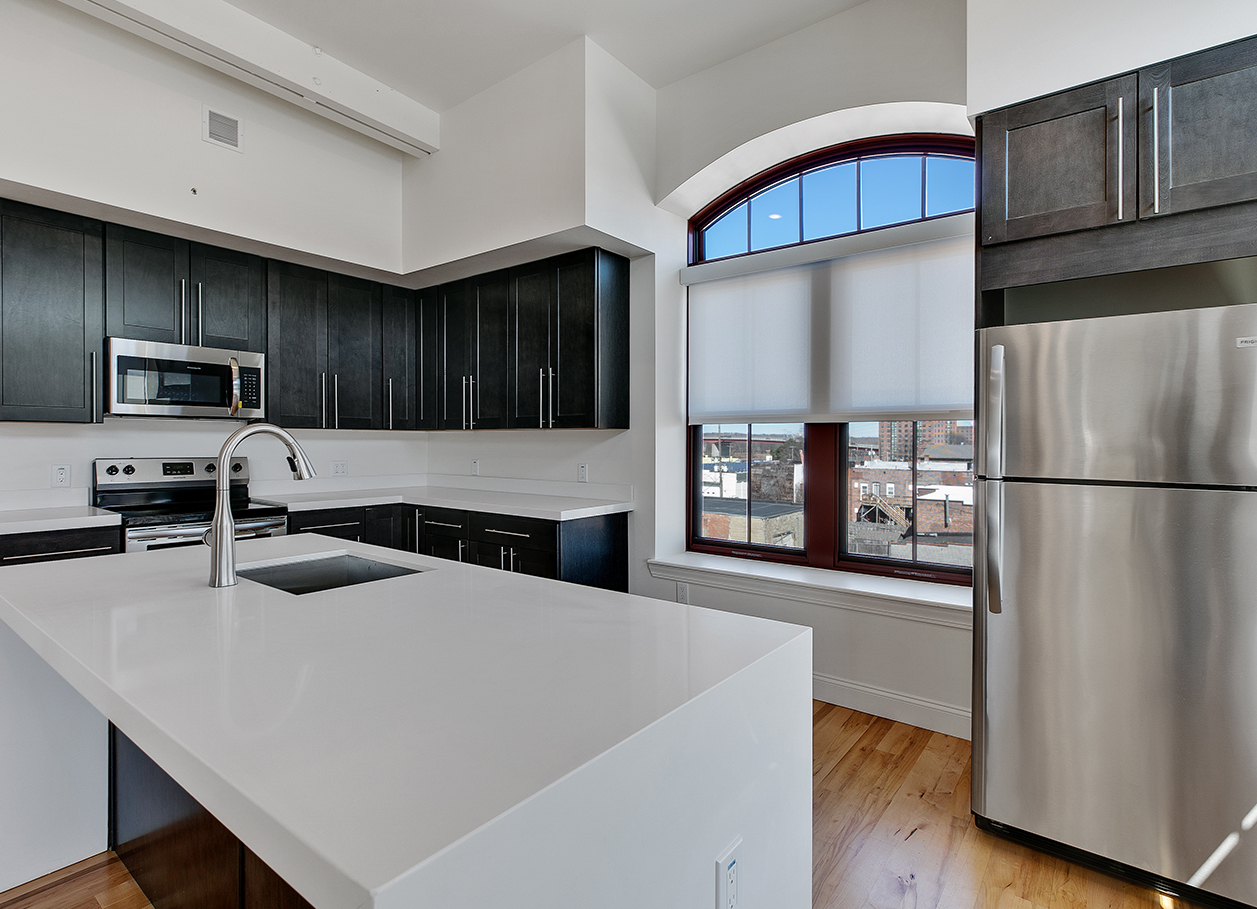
(195, 531)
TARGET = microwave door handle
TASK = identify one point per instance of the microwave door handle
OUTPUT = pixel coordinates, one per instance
(235, 386)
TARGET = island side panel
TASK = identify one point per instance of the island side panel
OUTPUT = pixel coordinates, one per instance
(54, 762)
(643, 823)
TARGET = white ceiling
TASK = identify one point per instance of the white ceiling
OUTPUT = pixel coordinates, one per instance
(441, 52)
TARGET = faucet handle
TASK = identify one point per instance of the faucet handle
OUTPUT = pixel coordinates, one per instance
(292, 465)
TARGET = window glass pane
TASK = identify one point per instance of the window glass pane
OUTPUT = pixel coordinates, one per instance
(890, 190)
(775, 216)
(723, 481)
(879, 456)
(948, 185)
(776, 484)
(829, 201)
(727, 236)
(944, 495)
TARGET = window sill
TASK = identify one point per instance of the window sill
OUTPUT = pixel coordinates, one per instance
(937, 604)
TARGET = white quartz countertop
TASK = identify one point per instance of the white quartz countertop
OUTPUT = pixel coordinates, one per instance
(69, 517)
(349, 735)
(522, 505)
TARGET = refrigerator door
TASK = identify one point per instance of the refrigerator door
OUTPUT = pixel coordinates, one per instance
(1120, 676)
(1167, 397)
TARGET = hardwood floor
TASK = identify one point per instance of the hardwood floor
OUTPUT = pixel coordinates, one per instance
(891, 829)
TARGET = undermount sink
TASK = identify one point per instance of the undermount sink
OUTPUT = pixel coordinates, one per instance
(323, 573)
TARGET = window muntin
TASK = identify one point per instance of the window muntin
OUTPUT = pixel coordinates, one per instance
(750, 479)
(865, 189)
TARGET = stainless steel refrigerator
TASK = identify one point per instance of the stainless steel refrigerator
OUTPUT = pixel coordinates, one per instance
(1115, 579)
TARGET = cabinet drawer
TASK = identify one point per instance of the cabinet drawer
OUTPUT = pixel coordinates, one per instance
(22, 548)
(512, 532)
(342, 523)
(446, 522)
(513, 558)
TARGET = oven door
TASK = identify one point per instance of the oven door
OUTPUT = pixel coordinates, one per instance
(168, 537)
(173, 380)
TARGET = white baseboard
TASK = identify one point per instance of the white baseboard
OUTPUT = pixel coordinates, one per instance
(893, 705)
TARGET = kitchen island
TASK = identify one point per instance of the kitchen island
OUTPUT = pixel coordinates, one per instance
(456, 737)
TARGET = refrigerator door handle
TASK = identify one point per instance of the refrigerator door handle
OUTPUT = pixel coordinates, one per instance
(994, 545)
(995, 414)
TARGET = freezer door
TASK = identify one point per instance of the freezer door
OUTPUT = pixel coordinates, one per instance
(1167, 397)
(1117, 686)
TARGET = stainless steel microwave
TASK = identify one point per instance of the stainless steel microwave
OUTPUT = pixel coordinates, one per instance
(174, 380)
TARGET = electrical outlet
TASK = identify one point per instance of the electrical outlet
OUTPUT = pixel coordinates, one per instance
(60, 475)
(582, 473)
(683, 592)
(729, 876)
(475, 467)
(340, 468)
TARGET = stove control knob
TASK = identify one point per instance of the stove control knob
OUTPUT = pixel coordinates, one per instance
(236, 468)
(129, 469)
(112, 470)
(210, 468)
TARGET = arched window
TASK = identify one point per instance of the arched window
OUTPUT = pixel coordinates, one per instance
(830, 391)
(845, 189)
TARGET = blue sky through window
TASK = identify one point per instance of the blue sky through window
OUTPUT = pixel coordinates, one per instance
(890, 191)
(726, 237)
(775, 216)
(829, 201)
(948, 185)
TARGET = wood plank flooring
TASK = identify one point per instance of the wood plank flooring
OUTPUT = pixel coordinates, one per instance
(891, 829)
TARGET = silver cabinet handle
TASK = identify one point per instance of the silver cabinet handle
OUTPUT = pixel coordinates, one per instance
(1120, 167)
(464, 402)
(541, 399)
(509, 533)
(994, 544)
(471, 402)
(550, 382)
(200, 316)
(502, 558)
(443, 524)
(416, 530)
(390, 403)
(323, 396)
(1156, 154)
(93, 358)
(336, 397)
(327, 526)
(59, 552)
(183, 311)
(235, 386)
(995, 415)
(512, 560)
(460, 550)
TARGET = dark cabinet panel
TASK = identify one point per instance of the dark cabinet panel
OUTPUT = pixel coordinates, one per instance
(428, 391)
(399, 358)
(341, 523)
(296, 349)
(475, 346)
(146, 281)
(455, 348)
(507, 530)
(226, 299)
(52, 545)
(445, 533)
(1061, 163)
(353, 353)
(1198, 131)
(569, 366)
(51, 315)
(396, 526)
(263, 888)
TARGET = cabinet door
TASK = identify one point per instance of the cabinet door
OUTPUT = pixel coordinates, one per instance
(487, 555)
(532, 290)
(1197, 128)
(146, 289)
(353, 353)
(227, 299)
(381, 526)
(399, 363)
(428, 390)
(535, 562)
(442, 547)
(296, 346)
(51, 315)
(342, 523)
(1062, 163)
(455, 310)
(490, 352)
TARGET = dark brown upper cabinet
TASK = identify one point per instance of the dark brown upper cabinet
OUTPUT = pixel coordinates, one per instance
(168, 290)
(324, 349)
(569, 348)
(1062, 163)
(475, 352)
(52, 313)
(1198, 131)
(410, 360)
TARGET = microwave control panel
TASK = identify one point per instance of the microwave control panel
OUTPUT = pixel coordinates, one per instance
(250, 388)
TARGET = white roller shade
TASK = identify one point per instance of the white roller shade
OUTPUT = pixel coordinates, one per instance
(886, 334)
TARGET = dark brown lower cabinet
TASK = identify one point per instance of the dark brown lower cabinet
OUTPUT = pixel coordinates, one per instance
(51, 545)
(342, 523)
(180, 855)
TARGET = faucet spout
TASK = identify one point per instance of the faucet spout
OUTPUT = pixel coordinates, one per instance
(221, 536)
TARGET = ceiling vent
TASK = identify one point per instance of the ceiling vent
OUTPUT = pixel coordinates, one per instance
(221, 129)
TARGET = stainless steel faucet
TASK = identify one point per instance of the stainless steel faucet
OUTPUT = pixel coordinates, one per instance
(221, 537)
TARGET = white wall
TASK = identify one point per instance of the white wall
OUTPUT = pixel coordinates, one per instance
(98, 114)
(1019, 51)
(879, 51)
